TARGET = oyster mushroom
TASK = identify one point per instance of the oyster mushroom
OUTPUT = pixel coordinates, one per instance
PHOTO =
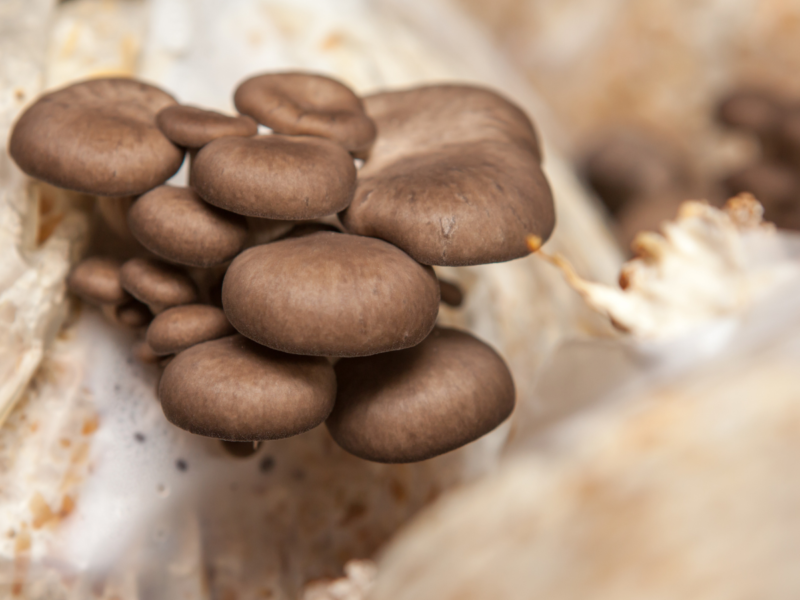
(330, 294)
(453, 178)
(193, 127)
(97, 136)
(157, 284)
(275, 176)
(237, 390)
(181, 327)
(306, 104)
(420, 402)
(97, 280)
(175, 224)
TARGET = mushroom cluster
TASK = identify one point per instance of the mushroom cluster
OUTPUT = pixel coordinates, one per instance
(285, 287)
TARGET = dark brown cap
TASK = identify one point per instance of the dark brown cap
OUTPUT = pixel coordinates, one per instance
(175, 223)
(181, 327)
(453, 178)
(193, 127)
(420, 402)
(157, 284)
(97, 280)
(97, 136)
(275, 176)
(304, 104)
(330, 294)
(236, 390)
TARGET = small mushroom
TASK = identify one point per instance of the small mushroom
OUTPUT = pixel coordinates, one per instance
(175, 224)
(453, 178)
(236, 390)
(275, 176)
(181, 327)
(450, 292)
(330, 294)
(420, 402)
(131, 314)
(97, 280)
(193, 127)
(98, 137)
(305, 104)
(157, 284)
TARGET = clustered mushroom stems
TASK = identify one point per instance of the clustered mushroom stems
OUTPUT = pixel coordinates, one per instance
(284, 287)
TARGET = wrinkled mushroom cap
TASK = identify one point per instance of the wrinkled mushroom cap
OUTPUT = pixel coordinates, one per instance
(236, 390)
(194, 127)
(453, 178)
(330, 294)
(176, 224)
(303, 104)
(157, 284)
(420, 402)
(97, 280)
(98, 137)
(181, 327)
(275, 176)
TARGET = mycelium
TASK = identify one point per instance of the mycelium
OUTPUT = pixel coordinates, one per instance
(452, 177)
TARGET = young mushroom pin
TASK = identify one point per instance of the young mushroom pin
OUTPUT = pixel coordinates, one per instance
(98, 137)
(420, 402)
(182, 327)
(157, 284)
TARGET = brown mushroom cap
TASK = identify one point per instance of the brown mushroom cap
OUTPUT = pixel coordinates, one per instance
(330, 294)
(98, 137)
(420, 402)
(157, 284)
(176, 224)
(303, 104)
(453, 178)
(131, 314)
(181, 327)
(193, 127)
(236, 390)
(275, 176)
(97, 280)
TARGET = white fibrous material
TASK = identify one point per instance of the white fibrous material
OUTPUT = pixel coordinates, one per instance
(706, 265)
(99, 495)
